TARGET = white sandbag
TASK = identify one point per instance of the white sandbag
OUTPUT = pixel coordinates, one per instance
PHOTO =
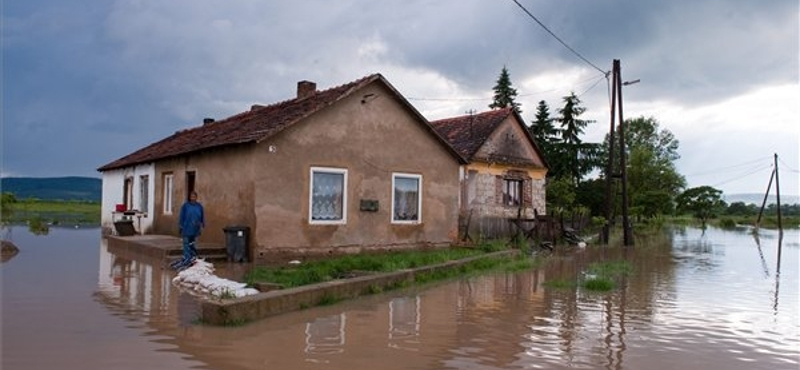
(200, 278)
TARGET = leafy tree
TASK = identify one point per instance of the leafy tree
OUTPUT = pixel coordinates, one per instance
(645, 133)
(652, 203)
(576, 159)
(702, 202)
(653, 180)
(592, 195)
(504, 94)
(560, 194)
(741, 209)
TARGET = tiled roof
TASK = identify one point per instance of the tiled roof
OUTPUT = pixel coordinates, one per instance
(255, 125)
(466, 134)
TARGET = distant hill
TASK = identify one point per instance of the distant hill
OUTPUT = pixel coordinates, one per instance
(757, 199)
(54, 188)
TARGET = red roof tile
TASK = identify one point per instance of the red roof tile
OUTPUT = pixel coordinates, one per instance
(255, 125)
(466, 134)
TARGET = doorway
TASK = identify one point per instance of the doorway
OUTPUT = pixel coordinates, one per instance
(190, 181)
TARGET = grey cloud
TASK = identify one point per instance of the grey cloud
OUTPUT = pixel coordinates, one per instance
(130, 72)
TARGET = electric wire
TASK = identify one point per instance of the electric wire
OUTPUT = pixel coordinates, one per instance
(558, 38)
(540, 92)
(591, 87)
(732, 167)
(790, 168)
(753, 172)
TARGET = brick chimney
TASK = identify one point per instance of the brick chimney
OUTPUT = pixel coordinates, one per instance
(306, 89)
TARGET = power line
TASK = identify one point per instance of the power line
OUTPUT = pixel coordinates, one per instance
(791, 169)
(732, 167)
(593, 79)
(448, 99)
(559, 39)
(591, 87)
(753, 172)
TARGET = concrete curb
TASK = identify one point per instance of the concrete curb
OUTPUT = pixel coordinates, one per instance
(258, 306)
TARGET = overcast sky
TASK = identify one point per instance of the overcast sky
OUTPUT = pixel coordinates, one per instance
(86, 82)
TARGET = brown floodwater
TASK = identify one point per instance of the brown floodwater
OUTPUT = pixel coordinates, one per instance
(713, 300)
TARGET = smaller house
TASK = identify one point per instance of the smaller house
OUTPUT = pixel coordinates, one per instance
(504, 176)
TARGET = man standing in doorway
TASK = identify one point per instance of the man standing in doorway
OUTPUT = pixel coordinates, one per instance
(191, 223)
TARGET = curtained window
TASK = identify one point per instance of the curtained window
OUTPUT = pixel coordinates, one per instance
(406, 198)
(512, 192)
(328, 196)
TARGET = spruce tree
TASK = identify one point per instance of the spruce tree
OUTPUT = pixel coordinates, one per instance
(542, 128)
(504, 94)
(573, 147)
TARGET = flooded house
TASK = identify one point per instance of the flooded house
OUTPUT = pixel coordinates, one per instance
(352, 168)
(504, 174)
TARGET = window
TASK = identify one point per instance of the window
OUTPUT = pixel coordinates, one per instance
(127, 193)
(144, 190)
(406, 198)
(168, 193)
(328, 196)
(512, 192)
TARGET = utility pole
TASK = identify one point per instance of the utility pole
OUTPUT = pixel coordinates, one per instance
(616, 99)
(626, 224)
(764, 202)
(610, 167)
(775, 177)
(778, 194)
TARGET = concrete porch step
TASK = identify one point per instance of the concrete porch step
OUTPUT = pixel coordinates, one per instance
(202, 250)
(163, 247)
(213, 258)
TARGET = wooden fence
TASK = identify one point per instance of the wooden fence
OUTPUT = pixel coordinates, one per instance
(542, 228)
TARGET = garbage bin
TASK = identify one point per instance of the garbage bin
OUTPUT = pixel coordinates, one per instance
(124, 227)
(236, 238)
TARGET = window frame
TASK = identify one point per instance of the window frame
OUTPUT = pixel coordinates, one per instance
(127, 192)
(417, 177)
(519, 188)
(144, 193)
(329, 170)
(169, 185)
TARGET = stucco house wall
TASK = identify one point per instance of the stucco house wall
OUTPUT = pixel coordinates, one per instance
(142, 191)
(504, 155)
(483, 183)
(371, 135)
(223, 179)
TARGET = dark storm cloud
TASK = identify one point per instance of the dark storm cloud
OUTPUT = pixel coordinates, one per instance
(96, 80)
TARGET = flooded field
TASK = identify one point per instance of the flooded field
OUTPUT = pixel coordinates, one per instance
(713, 300)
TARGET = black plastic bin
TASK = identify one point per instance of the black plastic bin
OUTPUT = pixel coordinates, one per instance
(124, 227)
(236, 239)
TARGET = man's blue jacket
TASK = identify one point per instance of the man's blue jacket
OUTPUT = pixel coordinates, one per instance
(191, 220)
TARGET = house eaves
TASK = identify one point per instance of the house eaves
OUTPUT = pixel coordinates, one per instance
(258, 124)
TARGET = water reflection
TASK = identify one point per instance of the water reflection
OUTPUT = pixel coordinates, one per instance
(405, 323)
(757, 239)
(689, 298)
(131, 284)
(694, 300)
(325, 336)
(778, 272)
